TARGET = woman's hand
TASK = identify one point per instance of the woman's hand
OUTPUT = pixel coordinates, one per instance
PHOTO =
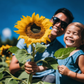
(63, 70)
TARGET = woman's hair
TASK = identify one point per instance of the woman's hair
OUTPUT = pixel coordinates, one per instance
(66, 12)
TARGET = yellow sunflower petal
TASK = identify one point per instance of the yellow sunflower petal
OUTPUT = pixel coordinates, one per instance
(20, 32)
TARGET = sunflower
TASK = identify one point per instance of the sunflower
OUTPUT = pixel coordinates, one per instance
(8, 60)
(3, 50)
(33, 29)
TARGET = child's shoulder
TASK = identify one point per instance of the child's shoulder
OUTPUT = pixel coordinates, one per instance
(75, 51)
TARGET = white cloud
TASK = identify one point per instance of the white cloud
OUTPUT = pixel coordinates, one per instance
(6, 33)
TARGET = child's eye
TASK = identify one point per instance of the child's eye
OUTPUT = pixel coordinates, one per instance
(67, 32)
(75, 33)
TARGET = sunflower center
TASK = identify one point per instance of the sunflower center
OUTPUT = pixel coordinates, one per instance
(34, 31)
(35, 28)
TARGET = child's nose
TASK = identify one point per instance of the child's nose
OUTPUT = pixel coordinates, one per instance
(71, 35)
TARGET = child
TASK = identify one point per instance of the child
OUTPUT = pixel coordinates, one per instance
(71, 69)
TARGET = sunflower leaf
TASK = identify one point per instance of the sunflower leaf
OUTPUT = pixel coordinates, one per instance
(50, 62)
(22, 56)
(47, 83)
(4, 64)
(2, 69)
(13, 49)
(23, 75)
(62, 53)
(40, 48)
(10, 81)
(1, 75)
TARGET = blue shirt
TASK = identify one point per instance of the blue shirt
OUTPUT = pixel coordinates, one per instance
(49, 52)
(70, 63)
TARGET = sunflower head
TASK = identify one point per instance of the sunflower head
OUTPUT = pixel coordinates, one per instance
(3, 50)
(33, 29)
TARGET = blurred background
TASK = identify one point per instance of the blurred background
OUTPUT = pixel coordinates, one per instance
(12, 10)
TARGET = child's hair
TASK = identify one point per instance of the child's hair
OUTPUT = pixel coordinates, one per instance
(81, 26)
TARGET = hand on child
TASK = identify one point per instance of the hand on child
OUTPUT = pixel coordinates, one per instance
(63, 70)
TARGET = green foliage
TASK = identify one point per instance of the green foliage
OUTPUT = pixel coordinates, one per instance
(40, 82)
(1, 82)
(13, 49)
(62, 53)
(50, 63)
(11, 81)
(40, 48)
(7, 78)
(1, 75)
(23, 75)
(2, 69)
(22, 55)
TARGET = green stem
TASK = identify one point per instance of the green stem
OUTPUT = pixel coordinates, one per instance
(40, 61)
(33, 49)
(30, 76)
(30, 79)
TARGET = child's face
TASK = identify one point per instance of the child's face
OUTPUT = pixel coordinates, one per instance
(72, 37)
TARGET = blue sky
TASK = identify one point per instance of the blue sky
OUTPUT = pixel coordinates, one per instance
(12, 10)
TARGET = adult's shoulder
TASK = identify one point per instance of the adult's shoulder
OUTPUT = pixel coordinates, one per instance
(20, 44)
(58, 43)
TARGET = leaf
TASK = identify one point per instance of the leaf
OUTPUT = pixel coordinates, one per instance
(2, 69)
(63, 53)
(13, 82)
(40, 48)
(46, 83)
(22, 56)
(1, 75)
(23, 75)
(1, 82)
(50, 62)
(3, 64)
(10, 81)
(7, 80)
(36, 81)
(41, 82)
(13, 49)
